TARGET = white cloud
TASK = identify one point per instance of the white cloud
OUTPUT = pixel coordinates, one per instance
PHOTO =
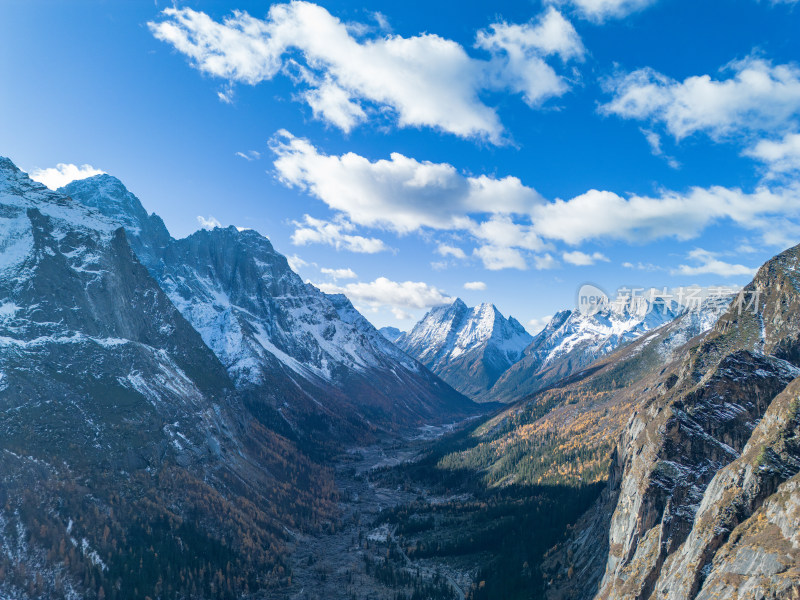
(249, 156)
(295, 262)
(602, 10)
(401, 194)
(758, 96)
(405, 195)
(385, 292)
(582, 259)
(400, 314)
(447, 250)
(511, 225)
(477, 286)
(640, 266)
(62, 174)
(522, 49)
(544, 262)
(331, 103)
(535, 325)
(782, 156)
(708, 263)
(208, 223)
(654, 141)
(496, 258)
(318, 231)
(337, 274)
(602, 214)
(501, 231)
(425, 80)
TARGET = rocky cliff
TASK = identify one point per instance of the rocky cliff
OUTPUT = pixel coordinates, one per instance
(705, 466)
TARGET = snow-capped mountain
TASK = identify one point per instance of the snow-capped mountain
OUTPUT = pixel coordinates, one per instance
(309, 355)
(391, 333)
(467, 347)
(117, 422)
(573, 340)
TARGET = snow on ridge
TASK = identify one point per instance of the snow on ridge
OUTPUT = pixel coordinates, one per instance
(449, 331)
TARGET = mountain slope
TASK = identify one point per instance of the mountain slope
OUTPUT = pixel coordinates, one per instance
(295, 350)
(467, 347)
(705, 453)
(123, 443)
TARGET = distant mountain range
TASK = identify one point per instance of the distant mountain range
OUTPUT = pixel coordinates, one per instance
(490, 358)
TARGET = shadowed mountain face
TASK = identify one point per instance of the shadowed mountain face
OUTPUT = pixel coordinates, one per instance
(702, 494)
(123, 441)
(292, 349)
(467, 347)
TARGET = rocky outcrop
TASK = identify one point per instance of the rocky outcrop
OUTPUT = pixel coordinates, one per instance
(708, 445)
(736, 493)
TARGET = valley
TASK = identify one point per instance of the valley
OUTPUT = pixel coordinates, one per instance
(342, 562)
(188, 418)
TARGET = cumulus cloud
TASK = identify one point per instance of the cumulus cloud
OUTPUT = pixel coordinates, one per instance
(708, 263)
(425, 80)
(337, 274)
(522, 48)
(780, 156)
(477, 286)
(384, 292)
(545, 261)
(209, 222)
(501, 230)
(400, 314)
(337, 234)
(757, 96)
(447, 250)
(62, 174)
(606, 215)
(496, 258)
(511, 224)
(603, 10)
(582, 259)
(295, 262)
(401, 194)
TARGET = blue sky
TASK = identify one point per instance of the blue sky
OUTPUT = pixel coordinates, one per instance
(401, 151)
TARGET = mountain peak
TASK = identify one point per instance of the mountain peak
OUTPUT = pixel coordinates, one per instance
(468, 347)
(15, 179)
(108, 195)
(6, 164)
(456, 306)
